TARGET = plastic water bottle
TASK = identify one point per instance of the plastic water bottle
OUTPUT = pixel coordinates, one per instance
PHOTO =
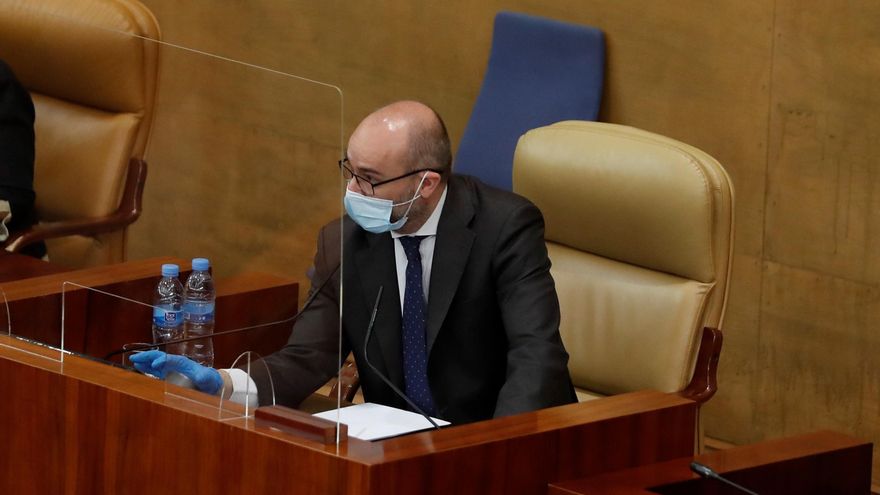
(168, 307)
(198, 312)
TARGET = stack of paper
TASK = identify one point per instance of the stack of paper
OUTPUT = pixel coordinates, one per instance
(374, 421)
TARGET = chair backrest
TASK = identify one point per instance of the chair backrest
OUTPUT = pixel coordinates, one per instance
(93, 82)
(639, 228)
(540, 71)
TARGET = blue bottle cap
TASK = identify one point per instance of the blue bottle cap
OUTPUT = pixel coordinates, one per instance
(201, 264)
(170, 270)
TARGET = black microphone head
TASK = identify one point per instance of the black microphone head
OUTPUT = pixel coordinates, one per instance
(702, 470)
(707, 472)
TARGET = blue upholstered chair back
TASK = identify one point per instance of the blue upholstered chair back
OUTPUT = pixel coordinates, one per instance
(540, 71)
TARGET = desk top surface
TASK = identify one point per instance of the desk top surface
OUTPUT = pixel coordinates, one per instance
(646, 479)
(18, 266)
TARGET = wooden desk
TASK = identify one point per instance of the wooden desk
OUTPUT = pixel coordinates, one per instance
(822, 463)
(83, 427)
(96, 324)
(18, 266)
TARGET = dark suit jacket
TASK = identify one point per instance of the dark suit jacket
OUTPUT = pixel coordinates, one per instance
(493, 315)
(17, 155)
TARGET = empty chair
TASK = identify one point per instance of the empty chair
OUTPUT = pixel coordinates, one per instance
(639, 228)
(540, 71)
(93, 82)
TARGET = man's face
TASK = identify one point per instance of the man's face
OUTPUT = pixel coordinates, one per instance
(379, 151)
(380, 167)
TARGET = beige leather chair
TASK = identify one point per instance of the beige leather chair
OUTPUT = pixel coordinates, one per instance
(639, 228)
(93, 89)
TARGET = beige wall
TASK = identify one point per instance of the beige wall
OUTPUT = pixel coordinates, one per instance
(783, 93)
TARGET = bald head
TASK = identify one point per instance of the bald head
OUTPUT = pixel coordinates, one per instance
(408, 134)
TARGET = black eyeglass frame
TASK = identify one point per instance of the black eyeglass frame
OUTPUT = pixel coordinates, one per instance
(373, 185)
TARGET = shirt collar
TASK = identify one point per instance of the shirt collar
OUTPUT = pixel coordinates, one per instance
(430, 226)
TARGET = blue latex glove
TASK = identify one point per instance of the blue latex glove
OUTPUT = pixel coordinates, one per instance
(159, 364)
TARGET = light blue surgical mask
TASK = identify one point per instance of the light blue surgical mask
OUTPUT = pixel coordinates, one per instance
(374, 214)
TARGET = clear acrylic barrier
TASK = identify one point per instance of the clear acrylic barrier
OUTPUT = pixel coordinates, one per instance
(5, 316)
(245, 402)
(5, 322)
(105, 325)
(252, 154)
(113, 327)
(37, 331)
(243, 171)
(134, 348)
(240, 404)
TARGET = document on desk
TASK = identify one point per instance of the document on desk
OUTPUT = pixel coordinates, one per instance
(375, 421)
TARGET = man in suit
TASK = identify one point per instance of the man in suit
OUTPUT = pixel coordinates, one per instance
(17, 196)
(468, 320)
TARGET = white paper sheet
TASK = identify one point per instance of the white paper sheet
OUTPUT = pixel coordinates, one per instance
(375, 421)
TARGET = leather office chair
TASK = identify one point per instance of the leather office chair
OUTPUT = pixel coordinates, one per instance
(639, 229)
(93, 82)
(540, 71)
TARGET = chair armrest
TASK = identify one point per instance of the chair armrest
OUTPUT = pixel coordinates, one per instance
(128, 211)
(704, 383)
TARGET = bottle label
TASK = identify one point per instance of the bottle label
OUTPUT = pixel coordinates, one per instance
(167, 317)
(200, 313)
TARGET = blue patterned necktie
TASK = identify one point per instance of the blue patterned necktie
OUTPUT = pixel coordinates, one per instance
(415, 359)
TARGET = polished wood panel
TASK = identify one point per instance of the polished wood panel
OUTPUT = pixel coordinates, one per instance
(35, 303)
(817, 463)
(521, 454)
(91, 277)
(81, 426)
(96, 324)
(18, 266)
(300, 423)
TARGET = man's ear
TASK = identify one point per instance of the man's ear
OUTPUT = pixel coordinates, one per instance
(432, 181)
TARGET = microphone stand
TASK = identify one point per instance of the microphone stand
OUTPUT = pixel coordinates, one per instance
(707, 472)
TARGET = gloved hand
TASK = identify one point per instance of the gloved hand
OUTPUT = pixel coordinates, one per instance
(159, 364)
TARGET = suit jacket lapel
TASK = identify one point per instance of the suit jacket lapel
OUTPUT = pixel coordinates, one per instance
(451, 251)
(376, 267)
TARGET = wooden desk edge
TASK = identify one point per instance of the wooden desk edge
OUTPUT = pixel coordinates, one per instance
(639, 480)
(89, 277)
(362, 452)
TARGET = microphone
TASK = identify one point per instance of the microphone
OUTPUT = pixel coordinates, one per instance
(709, 473)
(292, 319)
(379, 373)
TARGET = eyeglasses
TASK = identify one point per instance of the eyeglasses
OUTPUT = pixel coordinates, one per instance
(367, 186)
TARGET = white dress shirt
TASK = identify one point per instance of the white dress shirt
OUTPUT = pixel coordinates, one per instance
(426, 249)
